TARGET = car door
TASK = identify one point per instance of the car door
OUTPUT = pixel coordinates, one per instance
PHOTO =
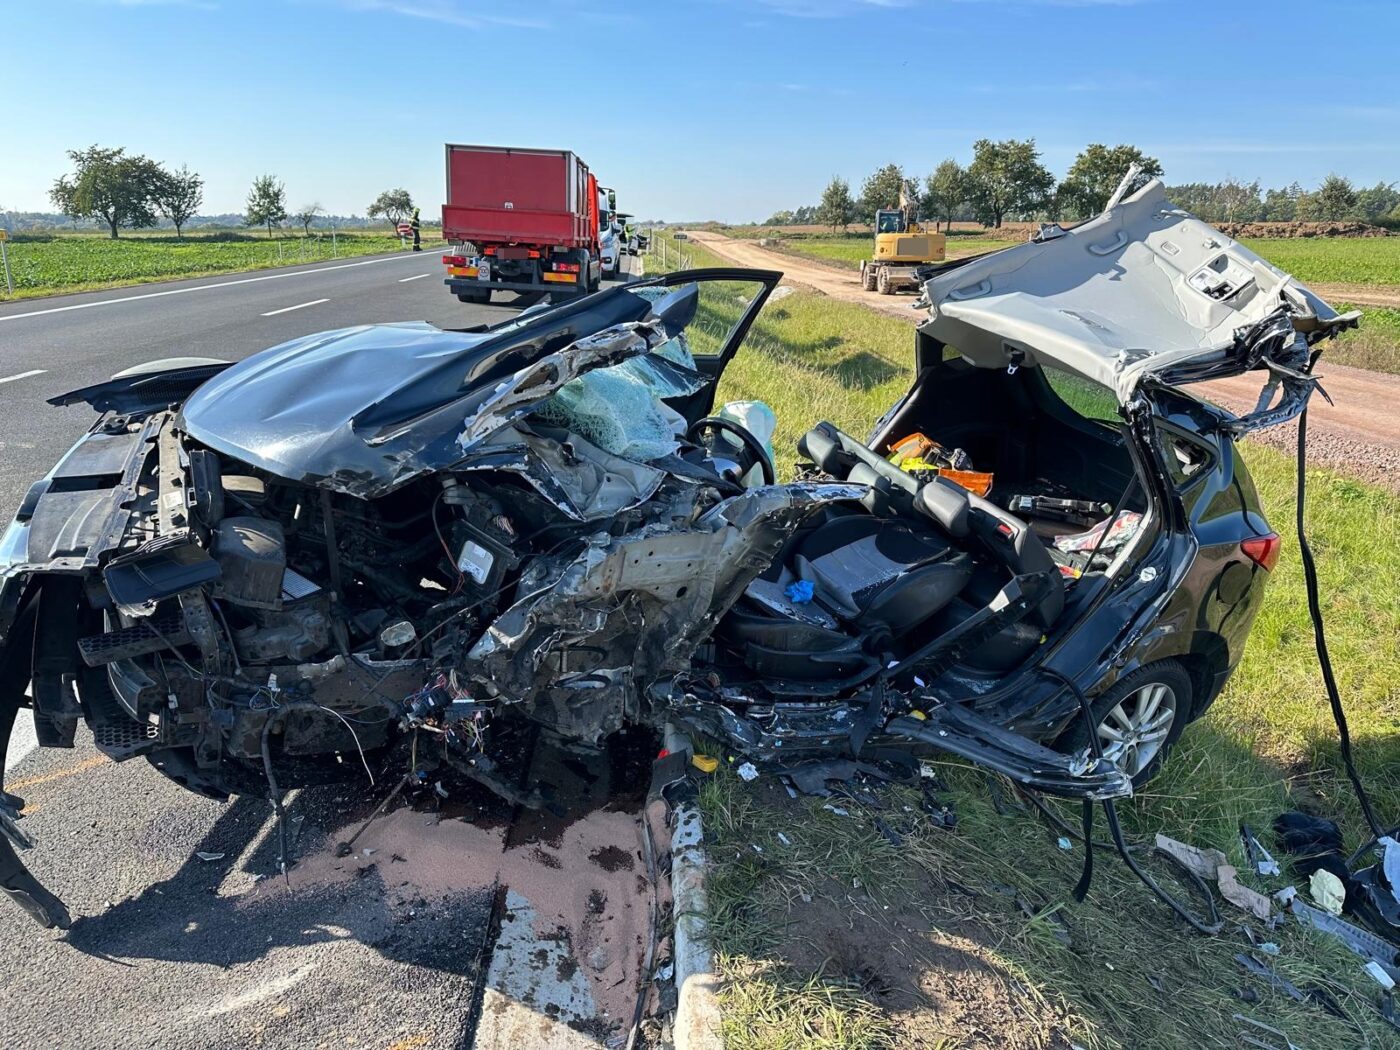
(726, 302)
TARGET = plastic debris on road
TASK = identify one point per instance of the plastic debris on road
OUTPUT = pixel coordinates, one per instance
(704, 763)
(747, 771)
(1379, 974)
(1328, 891)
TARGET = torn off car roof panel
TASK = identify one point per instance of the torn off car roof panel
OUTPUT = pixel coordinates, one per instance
(1141, 289)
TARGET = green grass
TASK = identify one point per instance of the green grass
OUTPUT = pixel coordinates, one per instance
(80, 262)
(1374, 346)
(1352, 260)
(1266, 745)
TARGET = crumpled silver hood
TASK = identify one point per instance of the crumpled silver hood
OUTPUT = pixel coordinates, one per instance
(1141, 288)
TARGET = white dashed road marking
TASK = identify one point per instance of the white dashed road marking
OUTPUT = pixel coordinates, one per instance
(23, 375)
(299, 306)
(201, 288)
(416, 276)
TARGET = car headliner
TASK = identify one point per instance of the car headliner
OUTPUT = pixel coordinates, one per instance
(1111, 299)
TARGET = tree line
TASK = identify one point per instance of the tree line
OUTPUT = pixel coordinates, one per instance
(1006, 180)
(128, 191)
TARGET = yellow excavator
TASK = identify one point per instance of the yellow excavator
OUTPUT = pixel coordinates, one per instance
(902, 245)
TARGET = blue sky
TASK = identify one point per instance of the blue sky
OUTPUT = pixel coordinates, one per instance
(691, 108)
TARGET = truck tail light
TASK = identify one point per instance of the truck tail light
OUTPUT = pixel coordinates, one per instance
(1263, 550)
(489, 251)
(566, 267)
(454, 260)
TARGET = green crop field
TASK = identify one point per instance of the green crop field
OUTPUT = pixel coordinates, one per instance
(1344, 260)
(992, 896)
(79, 262)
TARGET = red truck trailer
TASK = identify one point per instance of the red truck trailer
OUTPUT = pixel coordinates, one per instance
(529, 218)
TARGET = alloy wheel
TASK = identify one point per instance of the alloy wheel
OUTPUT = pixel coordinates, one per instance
(1133, 731)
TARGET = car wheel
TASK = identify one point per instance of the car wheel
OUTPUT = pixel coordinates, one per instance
(1139, 720)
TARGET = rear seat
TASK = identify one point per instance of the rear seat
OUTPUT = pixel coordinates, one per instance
(900, 588)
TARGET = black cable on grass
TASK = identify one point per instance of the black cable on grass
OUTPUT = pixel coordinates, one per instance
(1116, 830)
(1324, 660)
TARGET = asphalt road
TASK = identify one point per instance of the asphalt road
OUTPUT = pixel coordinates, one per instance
(168, 949)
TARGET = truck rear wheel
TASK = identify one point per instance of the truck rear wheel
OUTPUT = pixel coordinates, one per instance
(867, 277)
(482, 296)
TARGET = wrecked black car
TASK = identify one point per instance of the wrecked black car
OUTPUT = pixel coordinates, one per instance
(269, 574)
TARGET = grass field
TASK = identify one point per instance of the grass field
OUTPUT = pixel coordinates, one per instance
(1117, 971)
(43, 265)
(1351, 260)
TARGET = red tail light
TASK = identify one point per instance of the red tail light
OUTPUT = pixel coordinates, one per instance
(1263, 550)
(454, 260)
(566, 267)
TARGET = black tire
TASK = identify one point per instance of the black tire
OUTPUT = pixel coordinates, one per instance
(882, 283)
(478, 298)
(1134, 691)
(867, 278)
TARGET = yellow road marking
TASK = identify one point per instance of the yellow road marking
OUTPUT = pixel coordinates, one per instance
(81, 767)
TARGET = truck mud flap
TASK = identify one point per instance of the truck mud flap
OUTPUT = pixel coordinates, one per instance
(959, 731)
(15, 879)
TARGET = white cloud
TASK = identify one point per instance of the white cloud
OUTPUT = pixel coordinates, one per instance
(445, 12)
(200, 5)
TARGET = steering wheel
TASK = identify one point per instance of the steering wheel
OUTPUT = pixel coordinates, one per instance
(752, 452)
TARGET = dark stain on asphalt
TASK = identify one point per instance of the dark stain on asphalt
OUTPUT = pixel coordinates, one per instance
(612, 858)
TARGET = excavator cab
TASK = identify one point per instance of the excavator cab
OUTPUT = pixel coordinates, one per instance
(888, 220)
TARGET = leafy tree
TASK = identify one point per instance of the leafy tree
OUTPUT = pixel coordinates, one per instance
(1239, 201)
(1006, 177)
(1281, 205)
(267, 203)
(109, 185)
(1378, 201)
(1334, 199)
(307, 215)
(805, 215)
(1228, 201)
(1096, 173)
(393, 205)
(945, 191)
(178, 195)
(880, 190)
(780, 218)
(836, 207)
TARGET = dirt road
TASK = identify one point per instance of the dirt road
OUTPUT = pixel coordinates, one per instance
(1359, 434)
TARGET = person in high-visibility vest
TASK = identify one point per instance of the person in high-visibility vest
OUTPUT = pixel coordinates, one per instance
(417, 231)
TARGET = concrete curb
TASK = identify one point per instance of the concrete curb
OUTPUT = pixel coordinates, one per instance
(697, 1025)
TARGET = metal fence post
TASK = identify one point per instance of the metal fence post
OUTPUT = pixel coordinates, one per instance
(333, 244)
(5, 257)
